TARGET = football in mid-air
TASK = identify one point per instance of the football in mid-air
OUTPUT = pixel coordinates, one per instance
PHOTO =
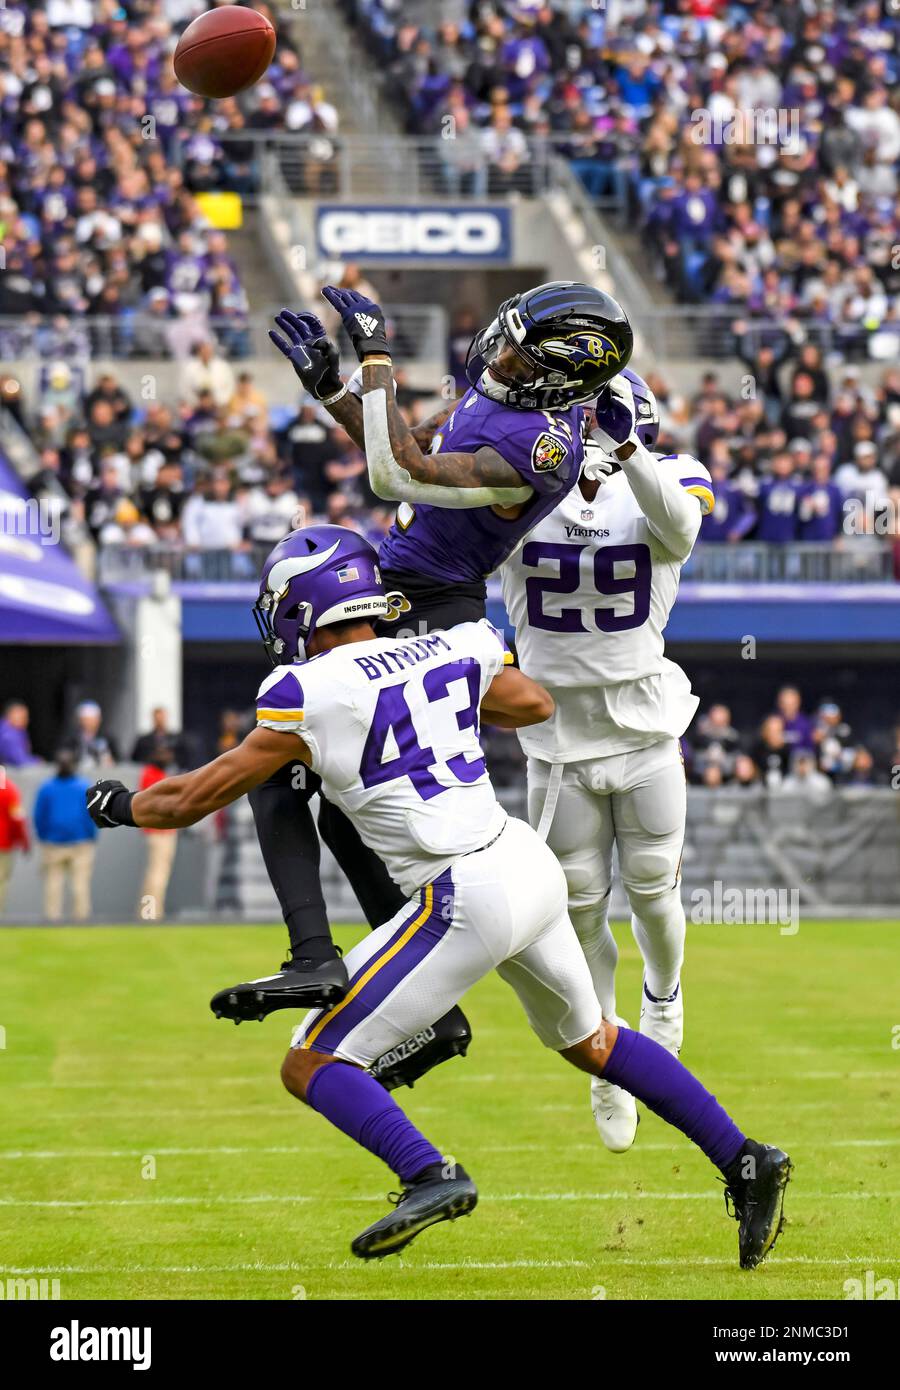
(224, 51)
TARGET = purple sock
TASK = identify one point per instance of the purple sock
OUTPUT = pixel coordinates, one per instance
(360, 1106)
(653, 1075)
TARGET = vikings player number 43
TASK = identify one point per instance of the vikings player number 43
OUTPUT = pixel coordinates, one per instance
(392, 720)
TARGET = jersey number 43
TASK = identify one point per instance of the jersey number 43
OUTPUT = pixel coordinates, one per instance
(393, 717)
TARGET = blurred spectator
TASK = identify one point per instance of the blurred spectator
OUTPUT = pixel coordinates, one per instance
(272, 510)
(161, 844)
(67, 834)
(805, 779)
(15, 745)
(820, 506)
(861, 772)
(160, 736)
(832, 737)
(231, 731)
(92, 749)
(211, 519)
(13, 832)
(779, 499)
(716, 743)
(208, 372)
(746, 773)
(797, 726)
(771, 752)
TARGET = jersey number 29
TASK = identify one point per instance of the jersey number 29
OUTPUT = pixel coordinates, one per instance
(606, 581)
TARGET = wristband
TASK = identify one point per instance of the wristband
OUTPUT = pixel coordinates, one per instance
(338, 395)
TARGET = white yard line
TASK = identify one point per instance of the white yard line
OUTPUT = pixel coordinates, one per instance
(284, 1198)
(710, 1261)
(13, 1155)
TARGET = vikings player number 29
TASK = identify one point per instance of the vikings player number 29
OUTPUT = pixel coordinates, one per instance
(608, 579)
(393, 717)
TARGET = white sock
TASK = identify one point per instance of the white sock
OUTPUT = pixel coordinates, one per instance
(659, 930)
(600, 950)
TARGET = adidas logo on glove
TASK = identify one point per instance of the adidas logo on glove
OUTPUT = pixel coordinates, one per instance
(366, 323)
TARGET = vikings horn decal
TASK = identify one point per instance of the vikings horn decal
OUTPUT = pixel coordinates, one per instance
(281, 574)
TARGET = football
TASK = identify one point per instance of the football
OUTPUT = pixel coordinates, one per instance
(224, 51)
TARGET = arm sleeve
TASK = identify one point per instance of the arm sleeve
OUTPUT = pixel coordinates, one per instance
(673, 499)
(392, 482)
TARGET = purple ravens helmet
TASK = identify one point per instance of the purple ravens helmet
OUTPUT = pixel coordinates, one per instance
(316, 576)
(552, 347)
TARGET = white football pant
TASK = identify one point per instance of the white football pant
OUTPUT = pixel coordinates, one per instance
(637, 801)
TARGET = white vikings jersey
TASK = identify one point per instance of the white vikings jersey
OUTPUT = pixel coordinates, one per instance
(392, 727)
(589, 594)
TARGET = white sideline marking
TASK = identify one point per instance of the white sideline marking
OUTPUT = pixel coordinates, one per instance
(263, 1198)
(11, 1155)
(259, 1267)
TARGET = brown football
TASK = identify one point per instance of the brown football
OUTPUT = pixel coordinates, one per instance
(224, 51)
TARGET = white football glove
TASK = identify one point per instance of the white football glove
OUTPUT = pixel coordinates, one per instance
(597, 466)
(615, 416)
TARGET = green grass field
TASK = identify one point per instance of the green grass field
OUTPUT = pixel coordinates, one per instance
(149, 1151)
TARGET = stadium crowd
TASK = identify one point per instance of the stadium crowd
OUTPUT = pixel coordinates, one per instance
(792, 750)
(809, 454)
(104, 163)
(758, 143)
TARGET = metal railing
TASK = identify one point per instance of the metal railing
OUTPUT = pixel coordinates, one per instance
(398, 168)
(748, 562)
(865, 561)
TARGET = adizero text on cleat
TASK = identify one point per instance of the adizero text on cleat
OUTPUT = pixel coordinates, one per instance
(299, 984)
(405, 1063)
(754, 1195)
(431, 1197)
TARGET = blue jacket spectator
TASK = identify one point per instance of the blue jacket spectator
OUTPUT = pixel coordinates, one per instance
(60, 811)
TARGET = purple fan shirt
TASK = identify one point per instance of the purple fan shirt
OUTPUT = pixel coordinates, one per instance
(544, 447)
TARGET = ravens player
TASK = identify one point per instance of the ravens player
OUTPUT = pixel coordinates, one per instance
(472, 482)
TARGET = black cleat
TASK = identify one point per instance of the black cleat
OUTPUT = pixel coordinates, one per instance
(299, 984)
(755, 1198)
(404, 1064)
(429, 1198)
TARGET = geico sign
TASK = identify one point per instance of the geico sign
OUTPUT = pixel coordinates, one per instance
(400, 233)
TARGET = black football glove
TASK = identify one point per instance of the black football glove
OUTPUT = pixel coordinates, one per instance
(310, 352)
(362, 318)
(109, 804)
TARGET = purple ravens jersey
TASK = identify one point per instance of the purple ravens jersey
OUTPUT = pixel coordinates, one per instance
(544, 447)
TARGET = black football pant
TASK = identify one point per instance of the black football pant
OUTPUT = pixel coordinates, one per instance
(281, 806)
